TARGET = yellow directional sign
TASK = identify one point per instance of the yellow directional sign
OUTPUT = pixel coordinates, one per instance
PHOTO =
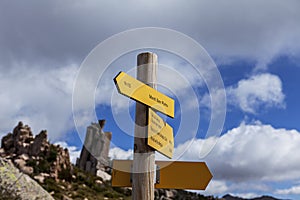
(160, 134)
(137, 90)
(175, 175)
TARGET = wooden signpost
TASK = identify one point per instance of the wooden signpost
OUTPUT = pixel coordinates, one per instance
(152, 133)
(160, 134)
(139, 91)
(173, 175)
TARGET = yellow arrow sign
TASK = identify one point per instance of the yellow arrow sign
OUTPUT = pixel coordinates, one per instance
(160, 134)
(137, 90)
(175, 175)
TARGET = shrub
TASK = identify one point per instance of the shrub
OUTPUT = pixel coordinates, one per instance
(52, 154)
(65, 174)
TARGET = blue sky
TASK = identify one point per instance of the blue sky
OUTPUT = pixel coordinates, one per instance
(254, 44)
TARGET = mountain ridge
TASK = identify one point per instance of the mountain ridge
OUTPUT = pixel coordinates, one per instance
(264, 197)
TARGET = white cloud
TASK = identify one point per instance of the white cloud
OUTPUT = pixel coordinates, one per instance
(256, 152)
(248, 157)
(245, 195)
(222, 187)
(292, 190)
(217, 104)
(117, 153)
(259, 90)
(250, 152)
(73, 151)
(216, 187)
(39, 97)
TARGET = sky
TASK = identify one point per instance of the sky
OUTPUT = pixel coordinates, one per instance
(231, 66)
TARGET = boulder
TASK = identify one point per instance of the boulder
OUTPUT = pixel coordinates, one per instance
(105, 176)
(19, 163)
(17, 185)
(27, 170)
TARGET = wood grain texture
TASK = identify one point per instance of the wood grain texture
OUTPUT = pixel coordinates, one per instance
(144, 156)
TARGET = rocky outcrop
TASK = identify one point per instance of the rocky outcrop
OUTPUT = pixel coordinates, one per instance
(94, 153)
(35, 156)
(17, 185)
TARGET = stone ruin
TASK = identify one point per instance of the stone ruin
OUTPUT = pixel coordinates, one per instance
(94, 154)
(35, 155)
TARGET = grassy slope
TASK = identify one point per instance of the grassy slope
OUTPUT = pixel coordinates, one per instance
(84, 185)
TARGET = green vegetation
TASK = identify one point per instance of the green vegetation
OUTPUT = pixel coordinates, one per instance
(65, 174)
(83, 185)
(52, 153)
(41, 166)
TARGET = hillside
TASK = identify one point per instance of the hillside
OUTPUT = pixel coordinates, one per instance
(229, 197)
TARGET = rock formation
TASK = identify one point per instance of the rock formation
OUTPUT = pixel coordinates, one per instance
(17, 185)
(94, 153)
(35, 155)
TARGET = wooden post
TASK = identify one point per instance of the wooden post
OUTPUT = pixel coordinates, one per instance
(144, 156)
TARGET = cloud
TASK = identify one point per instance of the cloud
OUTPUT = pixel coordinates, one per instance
(73, 151)
(244, 195)
(39, 97)
(117, 153)
(240, 189)
(216, 187)
(256, 152)
(259, 90)
(250, 152)
(292, 190)
(249, 158)
(45, 32)
(245, 160)
(45, 35)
